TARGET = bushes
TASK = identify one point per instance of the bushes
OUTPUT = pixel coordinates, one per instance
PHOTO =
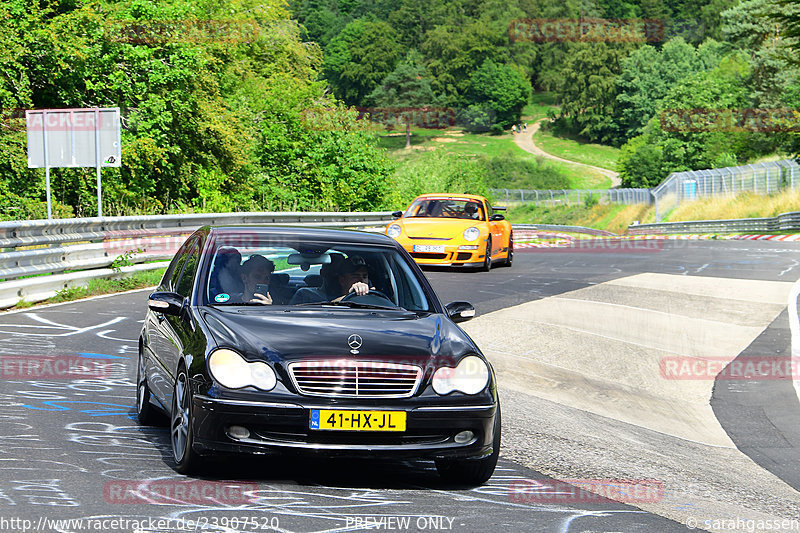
(208, 124)
(436, 172)
(452, 173)
(511, 172)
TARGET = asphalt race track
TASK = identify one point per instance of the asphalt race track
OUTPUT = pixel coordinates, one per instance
(72, 449)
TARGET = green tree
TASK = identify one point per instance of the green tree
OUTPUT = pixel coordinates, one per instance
(502, 89)
(787, 13)
(199, 90)
(408, 86)
(454, 51)
(315, 154)
(749, 27)
(675, 145)
(589, 90)
(359, 58)
(647, 75)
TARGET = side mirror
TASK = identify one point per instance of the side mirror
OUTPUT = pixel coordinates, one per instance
(168, 303)
(397, 214)
(460, 311)
(497, 217)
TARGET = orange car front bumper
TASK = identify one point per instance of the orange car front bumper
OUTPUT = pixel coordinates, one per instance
(451, 255)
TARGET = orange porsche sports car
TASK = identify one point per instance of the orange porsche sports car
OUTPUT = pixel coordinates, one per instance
(454, 230)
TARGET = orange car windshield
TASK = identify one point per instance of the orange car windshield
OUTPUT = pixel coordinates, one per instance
(446, 208)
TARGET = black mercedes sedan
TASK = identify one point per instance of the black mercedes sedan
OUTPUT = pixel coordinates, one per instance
(273, 340)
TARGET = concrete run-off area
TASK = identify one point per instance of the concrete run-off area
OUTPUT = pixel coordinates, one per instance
(601, 351)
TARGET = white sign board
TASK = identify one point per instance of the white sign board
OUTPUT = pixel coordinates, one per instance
(74, 137)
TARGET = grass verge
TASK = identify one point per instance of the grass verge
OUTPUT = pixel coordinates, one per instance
(95, 287)
(616, 218)
(577, 149)
(610, 217)
(741, 206)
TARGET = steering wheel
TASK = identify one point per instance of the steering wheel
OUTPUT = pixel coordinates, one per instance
(372, 292)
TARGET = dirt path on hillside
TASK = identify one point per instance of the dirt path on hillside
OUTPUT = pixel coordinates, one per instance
(525, 141)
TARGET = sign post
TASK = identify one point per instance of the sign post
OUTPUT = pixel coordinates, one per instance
(74, 138)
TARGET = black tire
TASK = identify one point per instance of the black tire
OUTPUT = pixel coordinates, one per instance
(145, 411)
(510, 253)
(472, 472)
(180, 427)
(487, 260)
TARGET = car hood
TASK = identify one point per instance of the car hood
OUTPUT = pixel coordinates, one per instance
(437, 227)
(286, 336)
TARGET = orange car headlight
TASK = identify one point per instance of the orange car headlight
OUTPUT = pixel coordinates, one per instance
(394, 231)
(472, 234)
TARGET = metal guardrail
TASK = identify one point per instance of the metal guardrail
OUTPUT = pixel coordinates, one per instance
(782, 222)
(90, 246)
(569, 229)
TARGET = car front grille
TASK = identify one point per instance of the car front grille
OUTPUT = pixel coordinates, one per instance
(428, 255)
(355, 379)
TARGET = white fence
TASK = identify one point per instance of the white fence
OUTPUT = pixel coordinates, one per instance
(760, 178)
(553, 197)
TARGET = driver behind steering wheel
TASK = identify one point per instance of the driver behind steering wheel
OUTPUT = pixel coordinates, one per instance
(353, 277)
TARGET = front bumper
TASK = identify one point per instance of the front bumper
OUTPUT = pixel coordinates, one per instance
(283, 427)
(452, 255)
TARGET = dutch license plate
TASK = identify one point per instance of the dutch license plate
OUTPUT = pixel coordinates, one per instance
(357, 420)
(435, 248)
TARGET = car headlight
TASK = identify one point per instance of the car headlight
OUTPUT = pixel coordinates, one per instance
(232, 371)
(472, 234)
(394, 231)
(470, 376)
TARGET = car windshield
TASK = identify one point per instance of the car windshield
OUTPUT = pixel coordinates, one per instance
(446, 208)
(262, 269)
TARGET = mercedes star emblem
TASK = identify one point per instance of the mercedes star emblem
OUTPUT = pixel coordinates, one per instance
(354, 341)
